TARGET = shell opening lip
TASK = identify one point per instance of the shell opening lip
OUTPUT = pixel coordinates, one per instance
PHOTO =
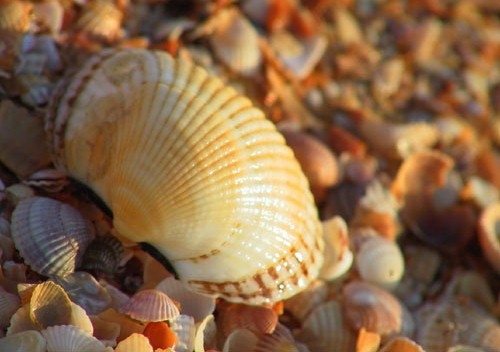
(152, 251)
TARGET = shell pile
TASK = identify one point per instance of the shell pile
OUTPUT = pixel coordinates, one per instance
(250, 176)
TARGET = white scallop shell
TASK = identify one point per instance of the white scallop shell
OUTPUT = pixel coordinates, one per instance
(209, 181)
(50, 235)
(71, 338)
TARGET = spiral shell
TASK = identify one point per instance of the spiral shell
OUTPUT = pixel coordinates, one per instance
(51, 236)
(192, 169)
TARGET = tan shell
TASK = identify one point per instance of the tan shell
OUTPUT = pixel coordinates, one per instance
(150, 305)
(49, 305)
(235, 42)
(401, 344)
(134, 343)
(100, 19)
(15, 16)
(260, 320)
(210, 183)
(306, 301)
(50, 235)
(338, 257)
(489, 234)
(71, 338)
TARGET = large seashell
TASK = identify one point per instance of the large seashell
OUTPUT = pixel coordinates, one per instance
(210, 183)
(71, 338)
(51, 236)
(150, 305)
(489, 234)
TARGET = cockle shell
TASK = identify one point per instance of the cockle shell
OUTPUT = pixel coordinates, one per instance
(192, 169)
(50, 235)
(30, 340)
(150, 305)
(104, 254)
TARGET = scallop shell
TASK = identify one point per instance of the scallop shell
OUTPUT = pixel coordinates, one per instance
(50, 235)
(370, 307)
(71, 338)
(193, 304)
(134, 343)
(210, 183)
(240, 340)
(9, 303)
(104, 254)
(31, 341)
(260, 320)
(150, 305)
(489, 234)
(306, 301)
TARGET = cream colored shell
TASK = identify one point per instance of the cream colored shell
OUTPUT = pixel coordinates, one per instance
(192, 168)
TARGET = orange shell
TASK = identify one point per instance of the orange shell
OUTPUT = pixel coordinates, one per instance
(160, 335)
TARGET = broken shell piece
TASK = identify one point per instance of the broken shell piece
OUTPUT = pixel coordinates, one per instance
(184, 327)
(49, 305)
(150, 305)
(48, 180)
(193, 304)
(84, 290)
(489, 234)
(71, 338)
(50, 235)
(30, 340)
(338, 257)
(100, 19)
(298, 56)
(370, 307)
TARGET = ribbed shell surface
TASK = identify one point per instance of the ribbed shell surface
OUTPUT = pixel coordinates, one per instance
(192, 168)
(50, 235)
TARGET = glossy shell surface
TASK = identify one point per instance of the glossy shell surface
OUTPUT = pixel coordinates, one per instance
(191, 168)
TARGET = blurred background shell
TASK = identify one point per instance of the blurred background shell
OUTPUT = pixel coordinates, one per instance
(103, 254)
(489, 234)
(226, 169)
(71, 338)
(50, 235)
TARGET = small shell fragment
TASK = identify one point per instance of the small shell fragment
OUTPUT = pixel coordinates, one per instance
(489, 234)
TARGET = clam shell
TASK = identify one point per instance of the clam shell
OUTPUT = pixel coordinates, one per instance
(260, 320)
(150, 305)
(31, 341)
(489, 234)
(50, 235)
(210, 183)
(71, 338)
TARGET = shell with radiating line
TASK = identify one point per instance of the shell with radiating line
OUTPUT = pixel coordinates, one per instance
(193, 169)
